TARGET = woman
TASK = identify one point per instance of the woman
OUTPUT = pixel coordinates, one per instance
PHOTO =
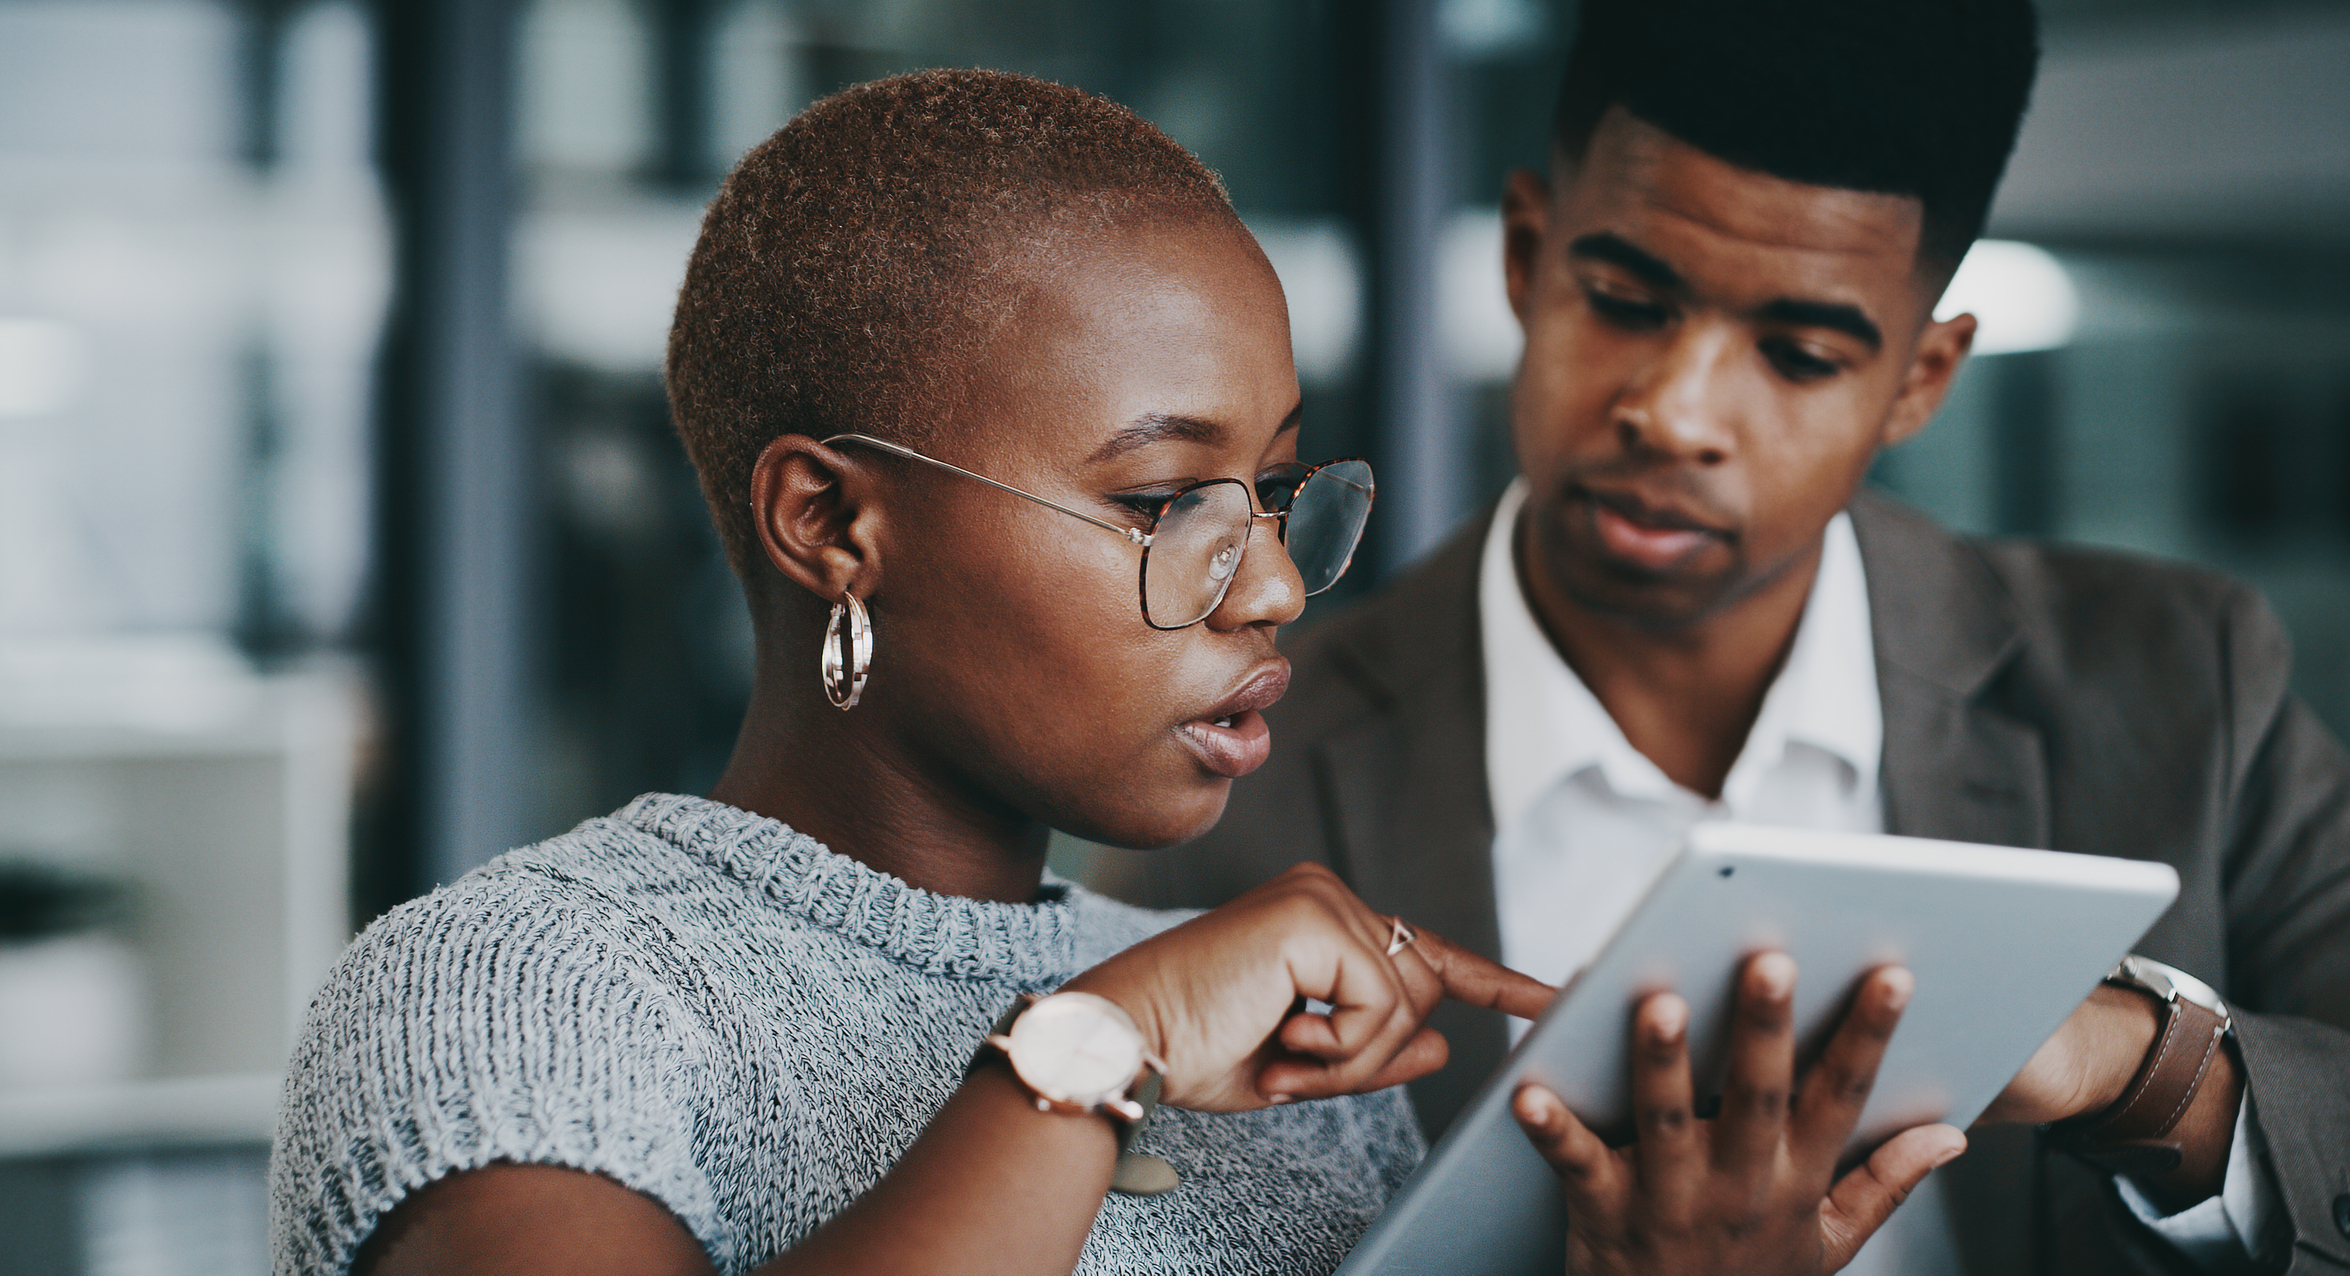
(992, 398)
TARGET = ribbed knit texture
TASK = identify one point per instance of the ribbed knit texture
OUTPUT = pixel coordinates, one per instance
(722, 1014)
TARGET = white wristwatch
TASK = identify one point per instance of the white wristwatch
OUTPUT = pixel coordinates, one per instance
(1076, 1052)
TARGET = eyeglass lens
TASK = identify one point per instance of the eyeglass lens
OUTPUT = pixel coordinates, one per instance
(1197, 545)
(1195, 549)
(1326, 522)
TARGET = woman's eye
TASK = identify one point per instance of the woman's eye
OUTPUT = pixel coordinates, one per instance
(1143, 505)
(1278, 486)
(1626, 312)
(1796, 363)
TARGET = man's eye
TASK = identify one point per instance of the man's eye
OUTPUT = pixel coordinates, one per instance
(1624, 312)
(1796, 363)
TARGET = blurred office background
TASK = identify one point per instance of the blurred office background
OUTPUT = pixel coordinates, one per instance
(343, 542)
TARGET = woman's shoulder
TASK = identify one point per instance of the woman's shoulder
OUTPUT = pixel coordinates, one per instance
(521, 1013)
(604, 940)
(574, 894)
(560, 938)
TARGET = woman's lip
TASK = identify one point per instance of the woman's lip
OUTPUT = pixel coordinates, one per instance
(1233, 738)
(1264, 684)
(1234, 750)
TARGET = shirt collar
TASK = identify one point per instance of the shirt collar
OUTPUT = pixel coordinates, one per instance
(1825, 696)
(1543, 725)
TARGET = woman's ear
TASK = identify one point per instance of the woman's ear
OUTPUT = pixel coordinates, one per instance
(809, 508)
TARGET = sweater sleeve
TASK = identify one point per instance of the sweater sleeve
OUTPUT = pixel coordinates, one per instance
(485, 1023)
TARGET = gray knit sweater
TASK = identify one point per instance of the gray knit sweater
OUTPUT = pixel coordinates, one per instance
(720, 1013)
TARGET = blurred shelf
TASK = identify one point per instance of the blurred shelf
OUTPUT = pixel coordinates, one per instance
(237, 1108)
(221, 798)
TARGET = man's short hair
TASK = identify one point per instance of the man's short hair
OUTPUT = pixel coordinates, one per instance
(855, 262)
(1907, 97)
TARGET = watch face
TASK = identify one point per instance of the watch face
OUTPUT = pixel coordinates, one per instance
(2161, 978)
(1076, 1048)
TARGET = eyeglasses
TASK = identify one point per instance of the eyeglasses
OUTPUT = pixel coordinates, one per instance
(1192, 549)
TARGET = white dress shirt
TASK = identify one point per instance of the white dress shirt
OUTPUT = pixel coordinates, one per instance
(1584, 822)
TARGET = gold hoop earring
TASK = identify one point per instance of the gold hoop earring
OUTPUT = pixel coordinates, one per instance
(848, 656)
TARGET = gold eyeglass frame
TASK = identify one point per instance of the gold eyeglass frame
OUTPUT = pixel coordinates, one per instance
(1137, 536)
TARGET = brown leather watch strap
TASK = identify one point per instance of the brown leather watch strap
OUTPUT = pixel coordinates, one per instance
(2132, 1136)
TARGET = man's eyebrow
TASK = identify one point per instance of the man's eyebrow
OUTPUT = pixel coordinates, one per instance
(1616, 251)
(1158, 427)
(1825, 314)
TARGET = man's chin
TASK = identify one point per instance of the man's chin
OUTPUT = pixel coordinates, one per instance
(1655, 606)
(1565, 560)
(1641, 597)
(1644, 596)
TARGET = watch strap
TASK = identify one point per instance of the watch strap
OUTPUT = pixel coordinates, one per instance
(2132, 1136)
(991, 1045)
(1145, 1097)
(1003, 1022)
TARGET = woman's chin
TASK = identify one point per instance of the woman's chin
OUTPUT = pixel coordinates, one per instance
(1171, 822)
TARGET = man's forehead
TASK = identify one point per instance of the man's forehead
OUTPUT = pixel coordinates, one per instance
(1635, 177)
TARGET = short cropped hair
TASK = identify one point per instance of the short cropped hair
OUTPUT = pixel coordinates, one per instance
(1907, 97)
(855, 262)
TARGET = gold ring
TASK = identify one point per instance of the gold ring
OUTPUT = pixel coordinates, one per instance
(1400, 938)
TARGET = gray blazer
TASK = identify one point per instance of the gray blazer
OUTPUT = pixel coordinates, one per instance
(2034, 695)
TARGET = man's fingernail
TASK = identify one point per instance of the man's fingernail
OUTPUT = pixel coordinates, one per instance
(1774, 973)
(1899, 985)
(1279, 1099)
(1948, 1155)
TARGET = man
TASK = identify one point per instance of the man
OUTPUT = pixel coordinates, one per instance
(1688, 609)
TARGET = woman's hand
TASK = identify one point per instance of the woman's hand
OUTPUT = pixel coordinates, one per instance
(1221, 998)
(1754, 1190)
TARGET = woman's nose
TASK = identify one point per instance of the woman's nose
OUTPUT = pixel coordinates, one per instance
(1267, 588)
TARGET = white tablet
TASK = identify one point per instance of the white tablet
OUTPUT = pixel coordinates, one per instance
(2004, 944)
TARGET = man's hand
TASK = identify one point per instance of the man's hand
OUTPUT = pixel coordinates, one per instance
(2087, 1065)
(1222, 997)
(1753, 1190)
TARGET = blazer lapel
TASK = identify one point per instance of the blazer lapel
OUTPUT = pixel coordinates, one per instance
(1406, 790)
(1955, 766)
